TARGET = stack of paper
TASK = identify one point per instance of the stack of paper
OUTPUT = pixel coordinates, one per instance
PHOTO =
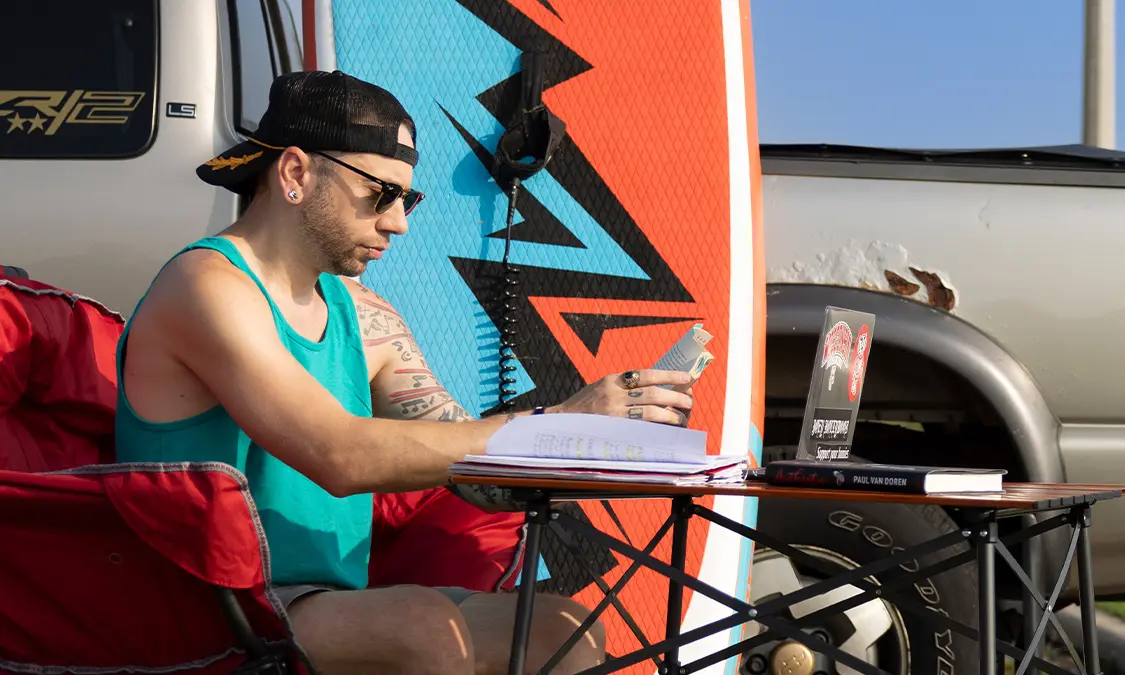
(601, 448)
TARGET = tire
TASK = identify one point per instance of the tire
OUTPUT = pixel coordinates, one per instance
(849, 534)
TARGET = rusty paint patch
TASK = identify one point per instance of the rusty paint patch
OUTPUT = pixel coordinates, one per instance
(899, 284)
(879, 266)
(937, 293)
(940, 295)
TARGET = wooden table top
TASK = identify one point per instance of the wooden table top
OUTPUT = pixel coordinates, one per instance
(1038, 496)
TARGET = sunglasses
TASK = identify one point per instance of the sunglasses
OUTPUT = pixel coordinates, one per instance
(388, 192)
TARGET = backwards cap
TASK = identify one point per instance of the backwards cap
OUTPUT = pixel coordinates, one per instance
(315, 110)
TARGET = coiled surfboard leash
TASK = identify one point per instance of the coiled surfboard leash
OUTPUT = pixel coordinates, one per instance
(527, 144)
(509, 321)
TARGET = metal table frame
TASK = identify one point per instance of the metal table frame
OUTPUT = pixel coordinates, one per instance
(982, 535)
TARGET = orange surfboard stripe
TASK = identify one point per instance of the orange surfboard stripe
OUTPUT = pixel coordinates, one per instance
(670, 170)
(614, 117)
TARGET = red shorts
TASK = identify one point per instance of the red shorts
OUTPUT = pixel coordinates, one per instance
(434, 538)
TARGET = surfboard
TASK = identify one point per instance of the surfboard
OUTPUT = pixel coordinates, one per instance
(646, 220)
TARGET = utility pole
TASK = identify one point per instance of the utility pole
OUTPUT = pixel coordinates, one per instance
(1098, 105)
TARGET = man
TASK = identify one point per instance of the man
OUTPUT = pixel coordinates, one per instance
(253, 348)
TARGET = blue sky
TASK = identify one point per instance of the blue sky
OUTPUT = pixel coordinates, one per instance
(923, 73)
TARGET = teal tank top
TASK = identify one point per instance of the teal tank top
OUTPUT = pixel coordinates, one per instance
(313, 537)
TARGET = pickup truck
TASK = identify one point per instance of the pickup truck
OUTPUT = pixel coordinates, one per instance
(994, 346)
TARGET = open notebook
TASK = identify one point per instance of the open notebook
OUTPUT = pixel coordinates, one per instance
(574, 446)
(601, 448)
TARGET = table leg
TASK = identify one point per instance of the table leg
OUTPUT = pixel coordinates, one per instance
(986, 569)
(538, 515)
(681, 514)
(1033, 565)
(1086, 596)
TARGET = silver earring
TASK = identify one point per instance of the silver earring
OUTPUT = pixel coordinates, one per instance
(293, 195)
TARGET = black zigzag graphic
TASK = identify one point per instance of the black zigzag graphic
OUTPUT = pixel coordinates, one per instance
(553, 373)
(539, 352)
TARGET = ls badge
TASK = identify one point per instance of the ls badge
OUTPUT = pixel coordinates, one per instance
(181, 110)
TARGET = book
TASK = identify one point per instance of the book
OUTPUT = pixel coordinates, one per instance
(729, 470)
(881, 477)
(585, 437)
(712, 463)
(581, 446)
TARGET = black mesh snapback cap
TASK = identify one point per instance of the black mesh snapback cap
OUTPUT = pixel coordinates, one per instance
(315, 110)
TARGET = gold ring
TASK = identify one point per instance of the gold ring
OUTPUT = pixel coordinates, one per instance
(631, 379)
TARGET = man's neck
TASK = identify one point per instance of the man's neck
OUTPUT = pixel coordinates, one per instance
(279, 260)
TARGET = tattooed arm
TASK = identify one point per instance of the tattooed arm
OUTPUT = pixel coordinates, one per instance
(404, 387)
(402, 384)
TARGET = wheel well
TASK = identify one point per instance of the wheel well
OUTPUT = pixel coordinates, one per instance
(913, 409)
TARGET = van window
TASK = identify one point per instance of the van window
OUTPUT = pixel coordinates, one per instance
(267, 44)
(288, 13)
(79, 78)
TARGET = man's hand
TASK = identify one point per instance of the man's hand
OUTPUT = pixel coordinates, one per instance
(645, 400)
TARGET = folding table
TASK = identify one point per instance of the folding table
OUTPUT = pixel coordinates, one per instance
(1069, 503)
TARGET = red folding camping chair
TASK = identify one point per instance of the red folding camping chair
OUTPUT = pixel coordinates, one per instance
(146, 567)
(103, 566)
(138, 568)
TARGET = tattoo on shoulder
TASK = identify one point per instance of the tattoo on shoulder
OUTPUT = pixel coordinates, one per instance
(418, 394)
(380, 324)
